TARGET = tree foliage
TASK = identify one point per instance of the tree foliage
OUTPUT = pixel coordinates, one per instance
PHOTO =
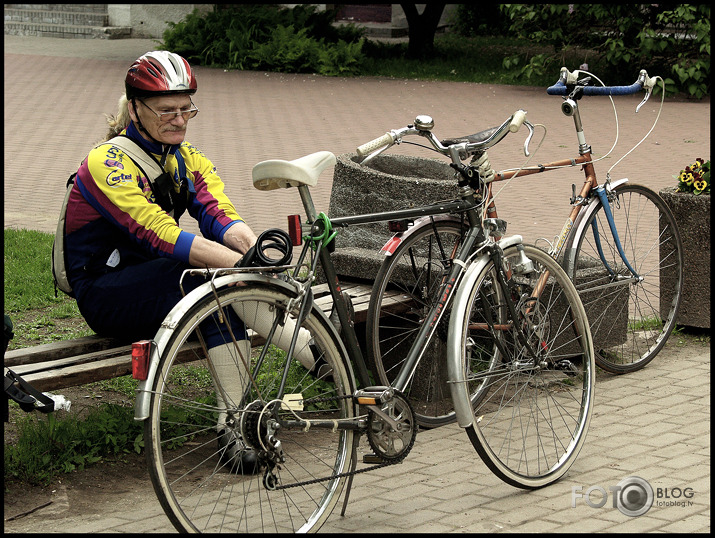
(670, 40)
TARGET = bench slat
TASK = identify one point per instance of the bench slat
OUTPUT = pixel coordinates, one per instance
(60, 349)
(97, 370)
(93, 358)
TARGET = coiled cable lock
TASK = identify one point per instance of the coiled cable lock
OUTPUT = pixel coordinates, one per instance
(271, 239)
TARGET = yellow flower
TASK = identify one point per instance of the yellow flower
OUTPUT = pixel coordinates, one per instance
(700, 185)
(688, 178)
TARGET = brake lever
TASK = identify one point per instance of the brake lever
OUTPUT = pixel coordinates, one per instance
(528, 138)
(648, 83)
(648, 91)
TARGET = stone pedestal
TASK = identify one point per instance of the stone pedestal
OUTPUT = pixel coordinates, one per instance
(388, 183)
(692, 213)
(392, 182)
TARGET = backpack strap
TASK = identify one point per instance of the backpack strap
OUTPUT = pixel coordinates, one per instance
(160, 182)
(139, 155)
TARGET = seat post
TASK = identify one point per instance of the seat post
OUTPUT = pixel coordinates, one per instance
(307, 202)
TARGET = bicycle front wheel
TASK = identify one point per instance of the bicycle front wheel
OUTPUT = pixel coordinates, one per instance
(406, 287)
(532, 405)
(631, 315)
(204, 419)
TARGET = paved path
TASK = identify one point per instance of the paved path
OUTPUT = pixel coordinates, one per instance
(57, 92)
(654, 424)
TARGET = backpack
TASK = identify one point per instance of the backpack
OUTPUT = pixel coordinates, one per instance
(160, 183)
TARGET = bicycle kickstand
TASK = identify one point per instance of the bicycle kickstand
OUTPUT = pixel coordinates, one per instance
(353, 466)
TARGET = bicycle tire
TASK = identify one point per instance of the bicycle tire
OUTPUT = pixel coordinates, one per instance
(197, 489)
(406, 287)
(629, 333)
(532, 415)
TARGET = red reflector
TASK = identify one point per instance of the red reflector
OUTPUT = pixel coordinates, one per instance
(396, 226)
(391, 245)
(295, 230)
(140, 359)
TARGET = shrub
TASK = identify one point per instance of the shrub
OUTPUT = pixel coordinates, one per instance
(663, 39)
(268, 37)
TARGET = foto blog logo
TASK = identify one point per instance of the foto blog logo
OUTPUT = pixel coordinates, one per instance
(632, 496)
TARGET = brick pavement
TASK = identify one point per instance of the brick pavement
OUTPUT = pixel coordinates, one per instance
(654, 423)
(58, 91)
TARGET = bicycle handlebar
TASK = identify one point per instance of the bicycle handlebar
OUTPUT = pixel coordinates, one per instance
(517, 120)
(461, 146)
(368, 147)
(568, 79)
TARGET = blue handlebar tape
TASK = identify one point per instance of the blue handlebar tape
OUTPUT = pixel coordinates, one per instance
(560, 89)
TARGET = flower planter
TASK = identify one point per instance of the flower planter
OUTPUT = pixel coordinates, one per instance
(692, 213)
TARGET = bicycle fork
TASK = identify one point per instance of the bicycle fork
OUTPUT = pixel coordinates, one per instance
(603, 197)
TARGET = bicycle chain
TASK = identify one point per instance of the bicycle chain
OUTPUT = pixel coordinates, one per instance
(339, 475)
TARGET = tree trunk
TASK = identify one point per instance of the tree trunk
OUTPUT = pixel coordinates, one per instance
(422, 28)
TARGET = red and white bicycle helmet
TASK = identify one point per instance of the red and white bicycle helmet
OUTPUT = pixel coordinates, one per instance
(159, 72)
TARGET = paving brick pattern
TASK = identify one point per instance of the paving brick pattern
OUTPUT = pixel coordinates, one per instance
(56, 99)
(654, 423)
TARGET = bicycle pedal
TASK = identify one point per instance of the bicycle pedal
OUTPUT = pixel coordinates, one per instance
(373, 395)
(371, 458)
(567, 366)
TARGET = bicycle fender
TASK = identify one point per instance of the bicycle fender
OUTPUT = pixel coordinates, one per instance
(456, 375)
(395, 241)
(578, 227)
(173, 318)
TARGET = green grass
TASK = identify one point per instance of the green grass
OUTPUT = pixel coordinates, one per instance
(28, 276)
(49, 446)
(38, 315)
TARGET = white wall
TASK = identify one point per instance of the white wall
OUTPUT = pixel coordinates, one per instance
(149, 20)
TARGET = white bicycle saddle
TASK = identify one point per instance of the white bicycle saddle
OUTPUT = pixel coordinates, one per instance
(276, 173)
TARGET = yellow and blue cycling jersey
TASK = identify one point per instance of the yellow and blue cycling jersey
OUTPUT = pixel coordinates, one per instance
(113, 220)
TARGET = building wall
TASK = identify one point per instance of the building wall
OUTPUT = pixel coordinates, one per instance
(149, 20)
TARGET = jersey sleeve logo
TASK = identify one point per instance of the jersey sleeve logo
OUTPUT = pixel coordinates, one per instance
(111, 163)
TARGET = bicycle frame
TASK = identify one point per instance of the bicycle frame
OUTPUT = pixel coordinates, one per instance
(590, 189)
(474, 236)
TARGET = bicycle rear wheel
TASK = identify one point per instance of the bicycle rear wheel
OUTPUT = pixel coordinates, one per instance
(197, 478)
(631, 317)
(532, 406)
(406, 287)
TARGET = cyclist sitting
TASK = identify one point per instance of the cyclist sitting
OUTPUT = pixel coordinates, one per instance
(125, 248)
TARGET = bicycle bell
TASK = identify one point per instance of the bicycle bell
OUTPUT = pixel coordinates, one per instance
(424, 123)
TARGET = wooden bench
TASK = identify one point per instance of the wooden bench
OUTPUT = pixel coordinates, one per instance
(84, 360)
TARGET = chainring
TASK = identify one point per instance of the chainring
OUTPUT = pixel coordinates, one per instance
(392, 444)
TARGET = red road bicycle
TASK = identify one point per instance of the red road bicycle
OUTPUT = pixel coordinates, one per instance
(620, 245)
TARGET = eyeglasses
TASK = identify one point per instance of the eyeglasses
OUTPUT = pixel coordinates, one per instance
(166, 117)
